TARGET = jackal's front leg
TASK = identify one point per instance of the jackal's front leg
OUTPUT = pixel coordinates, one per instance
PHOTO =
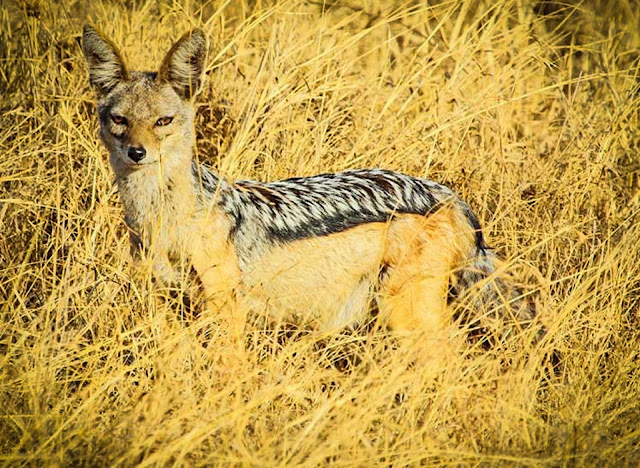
(220, 276)
(151, 263)
(222, 299)
(153, 269)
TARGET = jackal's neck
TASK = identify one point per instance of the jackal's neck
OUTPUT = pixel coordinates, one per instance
(151, 196)
(208, 184)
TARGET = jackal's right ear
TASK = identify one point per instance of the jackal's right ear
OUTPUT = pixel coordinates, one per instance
(106, 67)
(184, 64)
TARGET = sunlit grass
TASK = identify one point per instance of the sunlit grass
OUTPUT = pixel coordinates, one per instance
(530, 113)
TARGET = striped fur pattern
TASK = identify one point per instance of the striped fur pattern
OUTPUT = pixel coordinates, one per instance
(301, 207)
(318, 249)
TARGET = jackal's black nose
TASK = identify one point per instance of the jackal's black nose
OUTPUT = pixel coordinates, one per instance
(136, 153)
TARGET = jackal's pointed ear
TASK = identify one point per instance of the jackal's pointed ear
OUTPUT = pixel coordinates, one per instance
(184, 64)
(106, 67)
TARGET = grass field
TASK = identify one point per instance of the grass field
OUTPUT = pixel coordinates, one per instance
(530, 110)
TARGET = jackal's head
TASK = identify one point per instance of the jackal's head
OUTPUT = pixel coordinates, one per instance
(146, 118)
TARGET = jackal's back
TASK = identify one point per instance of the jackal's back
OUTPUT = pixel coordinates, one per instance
(303, 207)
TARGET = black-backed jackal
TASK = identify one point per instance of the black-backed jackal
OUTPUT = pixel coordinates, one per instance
(319, 248)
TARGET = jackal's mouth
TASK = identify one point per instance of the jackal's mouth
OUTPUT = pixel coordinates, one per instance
(137, 165)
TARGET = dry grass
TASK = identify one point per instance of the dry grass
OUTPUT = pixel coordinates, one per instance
(530, 112)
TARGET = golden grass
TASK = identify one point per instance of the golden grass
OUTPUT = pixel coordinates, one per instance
(531, 113)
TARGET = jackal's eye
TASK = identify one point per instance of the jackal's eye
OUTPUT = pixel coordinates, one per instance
(118, 119)
(162, 121)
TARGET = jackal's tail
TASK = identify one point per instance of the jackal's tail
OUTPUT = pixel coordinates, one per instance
(497, 295)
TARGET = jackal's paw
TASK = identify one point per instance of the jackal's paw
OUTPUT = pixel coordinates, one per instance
(148, 271)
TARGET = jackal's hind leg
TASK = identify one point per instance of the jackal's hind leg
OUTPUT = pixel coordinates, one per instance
(415, 301)
(414, 307)
(421, 255)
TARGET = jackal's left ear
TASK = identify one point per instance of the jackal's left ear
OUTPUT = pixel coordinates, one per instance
(184, 64)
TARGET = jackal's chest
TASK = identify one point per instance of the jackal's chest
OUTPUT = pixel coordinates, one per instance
(160, 218)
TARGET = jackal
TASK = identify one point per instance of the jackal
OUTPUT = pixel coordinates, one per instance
(318, 248)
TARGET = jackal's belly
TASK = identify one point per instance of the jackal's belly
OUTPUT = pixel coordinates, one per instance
(325, 280)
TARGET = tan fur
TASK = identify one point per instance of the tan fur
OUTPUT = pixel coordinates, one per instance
(332, 278)
(214, 259)
(422, 253)
(317, 276)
